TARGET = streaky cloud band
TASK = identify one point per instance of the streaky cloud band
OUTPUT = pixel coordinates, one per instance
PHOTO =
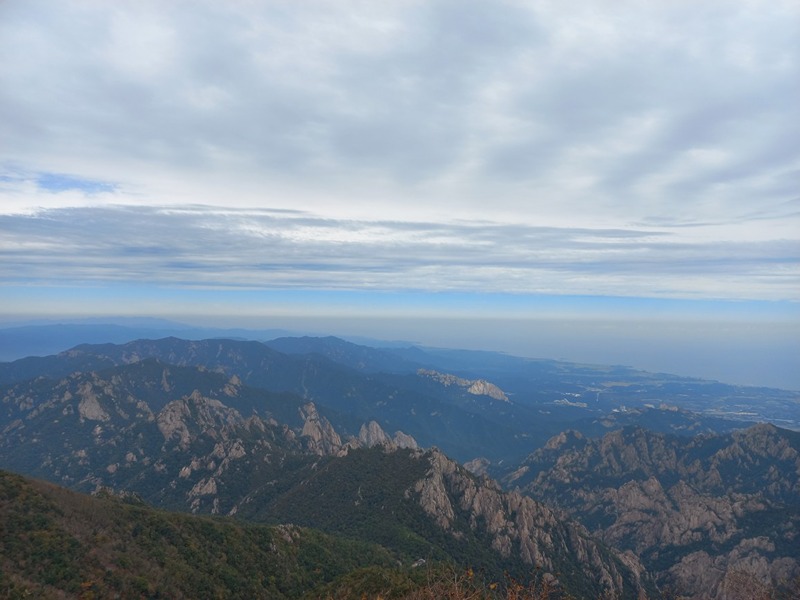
(206, 246)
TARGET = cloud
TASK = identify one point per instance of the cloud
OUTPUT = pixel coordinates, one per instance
(448, 101)
(633, 148)
(245, 249)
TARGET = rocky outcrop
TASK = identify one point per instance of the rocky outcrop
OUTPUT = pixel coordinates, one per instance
(372, 434)
(478, 466)
(514, 523)
(185, 418)
(403, 440)
(137, 427)
(744, 573)
(319, 434)
(695, 509)
(477, 387)
(481, 387)
(89, 406)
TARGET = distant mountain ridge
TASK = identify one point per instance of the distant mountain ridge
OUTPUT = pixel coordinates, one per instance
(398, 402)
(343, 378)
(51, 338)
(355, 356)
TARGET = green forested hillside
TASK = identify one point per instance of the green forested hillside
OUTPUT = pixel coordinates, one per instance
(55, 543)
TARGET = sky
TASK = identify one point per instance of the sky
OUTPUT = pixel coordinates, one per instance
(533, 163)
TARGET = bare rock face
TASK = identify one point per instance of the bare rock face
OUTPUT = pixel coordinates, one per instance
(711, 503)
(478, 466)
(372, 434)
(320, 435)
(433, 493)
(563, 439)
(481, 387)
(517, 523)
(477, 387)
(185, 418)
(744, 573)
(403, 440)
(89, 406)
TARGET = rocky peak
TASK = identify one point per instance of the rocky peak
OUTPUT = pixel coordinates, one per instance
(481, 387)
(233, 387)
(321, 438)
(403, 440)
(372, 434)
(478, 466)
(565, 438)
(89, 407)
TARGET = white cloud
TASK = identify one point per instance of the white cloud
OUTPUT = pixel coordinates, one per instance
(579, 115)
(200, 248)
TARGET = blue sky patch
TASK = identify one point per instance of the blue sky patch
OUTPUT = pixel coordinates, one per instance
(59, 182)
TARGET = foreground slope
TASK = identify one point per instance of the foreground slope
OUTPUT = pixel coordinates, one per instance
(60, 544)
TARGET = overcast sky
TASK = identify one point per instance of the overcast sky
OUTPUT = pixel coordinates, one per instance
(400, 149)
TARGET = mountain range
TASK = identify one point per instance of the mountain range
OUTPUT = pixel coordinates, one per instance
(607, 480)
